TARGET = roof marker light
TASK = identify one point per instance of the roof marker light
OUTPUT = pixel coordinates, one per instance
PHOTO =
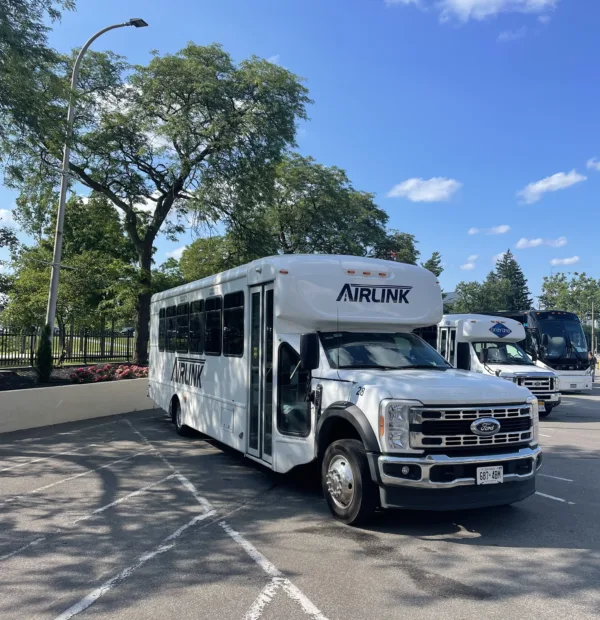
(284, 271)
(366, 273)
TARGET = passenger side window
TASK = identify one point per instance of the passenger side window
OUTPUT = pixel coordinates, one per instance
(213, 326)
(183, 323)
(293, 410)
(162, 329)
(233, 324)
(171, 344)
(197, 326)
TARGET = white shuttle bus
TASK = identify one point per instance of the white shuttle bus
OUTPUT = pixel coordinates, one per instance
(488, 344)
(291, 359)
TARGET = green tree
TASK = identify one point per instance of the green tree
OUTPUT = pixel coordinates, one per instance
(481, 297)
(434, 264)
(397, 246)
(43, 358)
(146, 137)
(518, 298)
(573, 293)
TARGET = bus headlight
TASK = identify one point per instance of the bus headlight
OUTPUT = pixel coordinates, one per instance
(535, 420)
(394, 423)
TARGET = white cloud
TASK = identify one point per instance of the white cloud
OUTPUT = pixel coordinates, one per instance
(6, 217)
(467, 266)
(176, 253)
(498, 257)
(524, 243)
(511, 35)
(561, 180)
(437, 189)
(565, 261)
(478, 10)
(274, 59)
(494, 230)
(472, 258)
(544, 19)
(593, 164)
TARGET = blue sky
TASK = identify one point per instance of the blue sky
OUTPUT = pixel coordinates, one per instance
(460, 115)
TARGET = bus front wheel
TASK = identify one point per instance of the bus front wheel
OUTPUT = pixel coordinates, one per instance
(351, 495)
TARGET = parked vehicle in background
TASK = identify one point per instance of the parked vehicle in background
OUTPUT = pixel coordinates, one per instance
(555, 340)
(128, 331)
(489, 345)
(291, 359)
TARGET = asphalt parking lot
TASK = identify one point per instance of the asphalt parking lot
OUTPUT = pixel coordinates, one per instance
(121, 518)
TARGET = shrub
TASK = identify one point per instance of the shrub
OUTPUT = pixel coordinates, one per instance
(43, 359)
(96, 374)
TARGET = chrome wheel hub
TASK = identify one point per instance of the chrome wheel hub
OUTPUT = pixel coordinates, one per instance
(340, 481)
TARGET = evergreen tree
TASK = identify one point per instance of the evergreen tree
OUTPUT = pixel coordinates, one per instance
(434, 264)
(518, 297)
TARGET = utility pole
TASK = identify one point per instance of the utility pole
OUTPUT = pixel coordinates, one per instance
(64, 181)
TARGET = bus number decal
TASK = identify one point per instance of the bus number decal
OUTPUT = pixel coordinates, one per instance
(360, 391)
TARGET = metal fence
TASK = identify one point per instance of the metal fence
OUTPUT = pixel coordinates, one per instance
(80, 346)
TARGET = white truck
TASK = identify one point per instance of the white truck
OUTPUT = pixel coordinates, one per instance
(488, 345)
(292, 359)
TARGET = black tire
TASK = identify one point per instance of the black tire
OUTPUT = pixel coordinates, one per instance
(181, 429)
(545, 414)
(358, 499)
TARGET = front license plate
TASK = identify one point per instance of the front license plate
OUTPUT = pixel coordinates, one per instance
(541, 406)
(490, 475)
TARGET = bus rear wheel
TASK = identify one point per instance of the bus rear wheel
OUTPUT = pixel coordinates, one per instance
(351, 495)
(177, 417)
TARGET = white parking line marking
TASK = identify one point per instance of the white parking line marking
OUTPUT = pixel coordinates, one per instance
(263, 599)
(293, 592)
(122, 499)
(78, 430)
(89, 516)
(51, 456)
(542, 435)
(27, 546)
(167, 544)
(556, 477)
(85, 473)
(194, 491)
(557, 499)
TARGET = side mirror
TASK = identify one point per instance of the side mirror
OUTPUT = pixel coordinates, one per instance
(534, 354)
(309, 351)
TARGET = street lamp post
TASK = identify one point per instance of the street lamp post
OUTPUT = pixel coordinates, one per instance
(64, 181)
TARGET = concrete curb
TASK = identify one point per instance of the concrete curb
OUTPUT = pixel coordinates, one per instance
(22, 409)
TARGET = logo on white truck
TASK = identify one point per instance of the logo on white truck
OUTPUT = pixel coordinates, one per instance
(377, 294)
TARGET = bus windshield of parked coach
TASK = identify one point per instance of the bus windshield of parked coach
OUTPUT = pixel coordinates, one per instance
(380, 350)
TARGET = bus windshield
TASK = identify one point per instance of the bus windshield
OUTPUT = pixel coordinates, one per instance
(380, 350)
(565, 338)
(501, 353)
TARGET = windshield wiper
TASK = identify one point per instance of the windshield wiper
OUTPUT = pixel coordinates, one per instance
(367, 367)
(422, 367)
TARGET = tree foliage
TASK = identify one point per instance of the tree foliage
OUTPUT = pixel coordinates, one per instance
(518, 297)
(572, 293)
(146, 137)
(434, 264)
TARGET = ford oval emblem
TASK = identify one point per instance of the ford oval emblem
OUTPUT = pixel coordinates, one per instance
(485, 427)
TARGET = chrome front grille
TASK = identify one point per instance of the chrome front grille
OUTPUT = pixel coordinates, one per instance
(449, 427)
(535, 384)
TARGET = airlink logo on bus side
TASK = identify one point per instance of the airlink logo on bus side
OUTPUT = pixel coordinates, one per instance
(376, 293)
(188, 371)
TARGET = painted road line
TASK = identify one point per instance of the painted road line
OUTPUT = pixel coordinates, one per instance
(27, 546)
(88, 516)
(78, 430)
(167, 544)
(51, 456)
(542, 435)
(120, 501)
(194, 491)
(85, 473)
(556, 499)
(556, 477)
(263, 599)
(268, 567)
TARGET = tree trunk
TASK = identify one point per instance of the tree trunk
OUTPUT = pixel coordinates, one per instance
(142, 320)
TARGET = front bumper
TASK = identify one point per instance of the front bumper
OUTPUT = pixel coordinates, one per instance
(442, 482)
(575, 383)
(551, 398)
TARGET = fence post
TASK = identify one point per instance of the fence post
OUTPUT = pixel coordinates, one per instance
(32, 347)
(85, 343)
(128, 340)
